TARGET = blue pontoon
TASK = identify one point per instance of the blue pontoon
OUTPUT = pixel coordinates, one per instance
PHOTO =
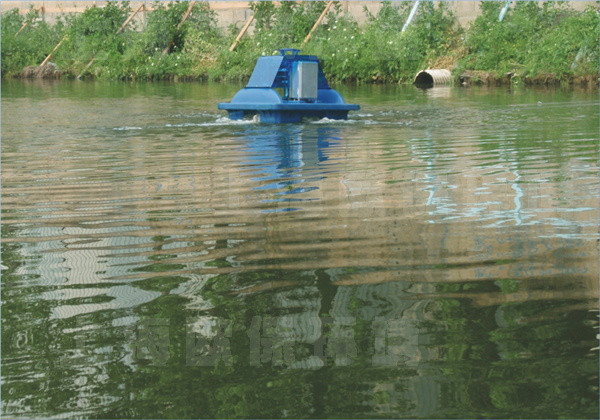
(306, 92)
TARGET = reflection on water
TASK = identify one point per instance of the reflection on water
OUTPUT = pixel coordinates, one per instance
(436, 255)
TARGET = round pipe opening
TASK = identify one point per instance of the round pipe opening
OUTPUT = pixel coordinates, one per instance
(433, 77)
(423, 78)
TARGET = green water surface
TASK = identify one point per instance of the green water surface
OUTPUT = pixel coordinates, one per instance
(435, 256)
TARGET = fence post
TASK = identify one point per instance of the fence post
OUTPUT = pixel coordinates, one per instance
(144, 15)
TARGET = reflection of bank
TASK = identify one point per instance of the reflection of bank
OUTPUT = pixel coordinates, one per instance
(399, 343)
(293, 166)
(389, 348)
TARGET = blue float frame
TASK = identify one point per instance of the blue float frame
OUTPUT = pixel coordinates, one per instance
(260, 96)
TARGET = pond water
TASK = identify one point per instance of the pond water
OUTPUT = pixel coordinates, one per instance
(436, 255)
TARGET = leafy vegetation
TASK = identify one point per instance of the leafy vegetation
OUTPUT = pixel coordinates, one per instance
(31, 45)
(532, 41)
(379, 50)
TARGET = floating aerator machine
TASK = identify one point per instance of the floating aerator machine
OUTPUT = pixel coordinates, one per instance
(305, 91)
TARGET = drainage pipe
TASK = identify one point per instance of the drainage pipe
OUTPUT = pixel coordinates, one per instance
(433, 77)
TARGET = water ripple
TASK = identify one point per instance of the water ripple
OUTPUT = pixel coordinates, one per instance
(469, 222)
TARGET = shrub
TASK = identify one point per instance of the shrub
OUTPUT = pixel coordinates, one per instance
(381, 51)
(285, 26)
(92, 35)
(533, 39)
(571, 48)
(161, 28)
(31, 46)
(134, 54)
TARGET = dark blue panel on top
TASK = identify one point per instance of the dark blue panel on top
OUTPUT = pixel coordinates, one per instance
(265, 71)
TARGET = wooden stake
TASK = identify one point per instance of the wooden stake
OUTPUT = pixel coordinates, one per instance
(317, 23)
(22, 27)
(61, 41)
(129, 19)
(55, 48)
(144, 15)
(185, 16)
(53, 51)
(189, 10)
(27, 23)
(242, 32)
(86, 68)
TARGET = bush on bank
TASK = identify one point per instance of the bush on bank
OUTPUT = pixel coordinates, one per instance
(532, 41)
(31, 46)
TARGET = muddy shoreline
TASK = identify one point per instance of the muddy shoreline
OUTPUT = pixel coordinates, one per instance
(465, 78)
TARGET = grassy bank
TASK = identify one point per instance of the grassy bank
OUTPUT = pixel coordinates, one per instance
(534, 43)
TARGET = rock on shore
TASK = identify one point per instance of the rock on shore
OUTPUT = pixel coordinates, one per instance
(48, 71)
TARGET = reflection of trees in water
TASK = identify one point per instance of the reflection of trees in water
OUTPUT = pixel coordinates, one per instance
(496, 363)
(271, 391)
(482, 327)
(44, 369)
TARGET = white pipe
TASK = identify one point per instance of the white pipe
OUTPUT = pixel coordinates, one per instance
(504, 10)
(411, 16)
